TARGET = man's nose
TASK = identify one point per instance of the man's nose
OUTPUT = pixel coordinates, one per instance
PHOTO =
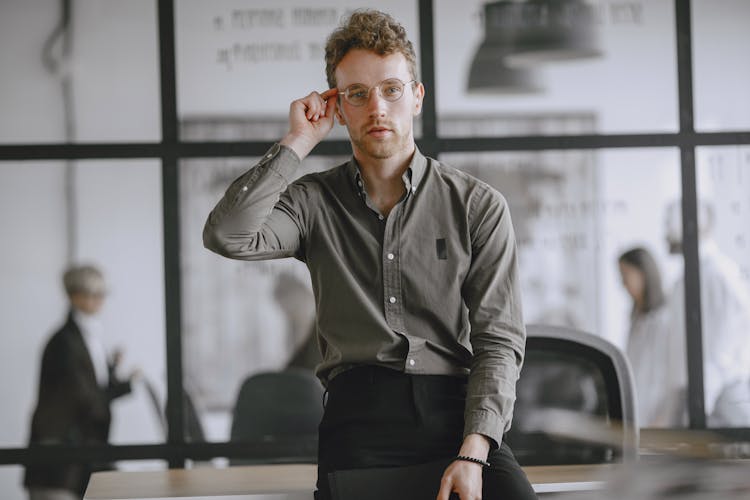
(375, 102)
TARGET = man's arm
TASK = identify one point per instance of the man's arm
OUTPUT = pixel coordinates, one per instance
(492, 294)
(247, 223)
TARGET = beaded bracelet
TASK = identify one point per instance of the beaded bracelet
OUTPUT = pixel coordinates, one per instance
(472, 459)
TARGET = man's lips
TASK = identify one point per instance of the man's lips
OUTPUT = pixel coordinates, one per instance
(378, 131)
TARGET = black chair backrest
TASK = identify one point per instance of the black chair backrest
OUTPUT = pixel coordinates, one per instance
(278, 404)
(572, 372)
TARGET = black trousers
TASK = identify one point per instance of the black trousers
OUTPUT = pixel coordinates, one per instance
(378, 417)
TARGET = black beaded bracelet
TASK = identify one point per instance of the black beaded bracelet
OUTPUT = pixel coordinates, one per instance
(472, 459)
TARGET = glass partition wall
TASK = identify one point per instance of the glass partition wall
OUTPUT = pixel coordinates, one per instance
(126, 122)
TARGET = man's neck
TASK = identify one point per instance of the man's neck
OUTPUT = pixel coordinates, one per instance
(383, 178)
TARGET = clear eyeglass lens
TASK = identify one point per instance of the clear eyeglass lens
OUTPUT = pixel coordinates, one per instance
(390, 90)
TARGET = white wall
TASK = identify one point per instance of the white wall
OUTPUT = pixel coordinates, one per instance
(27, 94)
(31, 299)
(720, 64)
(114, 69)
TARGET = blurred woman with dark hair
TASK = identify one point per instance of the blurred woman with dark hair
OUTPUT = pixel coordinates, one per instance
(655, 352)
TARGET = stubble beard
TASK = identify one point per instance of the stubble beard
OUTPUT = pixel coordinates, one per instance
(381, 149)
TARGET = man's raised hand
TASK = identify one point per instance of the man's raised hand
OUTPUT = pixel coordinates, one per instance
(310, 120)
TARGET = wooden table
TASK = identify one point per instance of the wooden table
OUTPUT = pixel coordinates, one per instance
(265, 479)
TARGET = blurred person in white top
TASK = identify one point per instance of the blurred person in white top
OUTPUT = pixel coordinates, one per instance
(725, 312)
(656, 354)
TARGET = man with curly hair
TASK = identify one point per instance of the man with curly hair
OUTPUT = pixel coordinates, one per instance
(414, 270)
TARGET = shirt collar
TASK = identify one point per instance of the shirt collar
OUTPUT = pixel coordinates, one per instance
(412, 176)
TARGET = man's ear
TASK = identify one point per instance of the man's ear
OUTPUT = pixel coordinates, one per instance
(339, 116)
(419, 97)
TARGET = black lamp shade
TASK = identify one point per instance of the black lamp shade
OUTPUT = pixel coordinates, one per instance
(543, 31)
(490, 72)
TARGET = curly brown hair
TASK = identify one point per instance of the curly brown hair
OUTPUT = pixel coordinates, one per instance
(370, 30)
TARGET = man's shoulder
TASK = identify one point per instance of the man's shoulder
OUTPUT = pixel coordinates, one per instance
(463, 180)
(328, 176)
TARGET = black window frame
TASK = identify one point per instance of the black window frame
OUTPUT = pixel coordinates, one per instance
(171, 149)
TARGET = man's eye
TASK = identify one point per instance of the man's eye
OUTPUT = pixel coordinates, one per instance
(358, 93)
(392, 90)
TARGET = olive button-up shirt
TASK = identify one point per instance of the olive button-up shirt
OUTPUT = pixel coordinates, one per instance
(430, 289)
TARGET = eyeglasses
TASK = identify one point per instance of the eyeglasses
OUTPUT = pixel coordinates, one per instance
(391, 90)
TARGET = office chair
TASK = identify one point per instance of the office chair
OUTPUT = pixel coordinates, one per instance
(575, 402)
(279, 406)
(191, 420)
(193, 428)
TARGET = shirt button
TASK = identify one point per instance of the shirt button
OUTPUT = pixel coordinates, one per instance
(412, 362)
(269, 155)
(381, 217)
(392, 300)
(390, 256)
(244, 188)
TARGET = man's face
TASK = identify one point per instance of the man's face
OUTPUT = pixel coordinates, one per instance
(379, 129)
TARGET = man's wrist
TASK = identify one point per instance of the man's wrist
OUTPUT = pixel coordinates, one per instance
(300, 144)
(478, 461)
(475, 446)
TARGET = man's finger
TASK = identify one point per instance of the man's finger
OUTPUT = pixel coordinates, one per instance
(330, 107)
(446, 485)
(329, 93)
(313, 103)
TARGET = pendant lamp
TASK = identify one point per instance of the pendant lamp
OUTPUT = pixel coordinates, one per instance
(546, 31)
(489, 71)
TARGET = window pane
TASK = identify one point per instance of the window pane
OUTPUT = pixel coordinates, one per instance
(574, 214)
(107, 213)
(11, 483)
(97, 80)
(240, 63)
(631, 86)
(239, 318)
(723, 175)
(721, 66)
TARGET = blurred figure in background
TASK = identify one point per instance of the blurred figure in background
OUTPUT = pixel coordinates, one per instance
(725, 312)
(76, 385)
(655, 351)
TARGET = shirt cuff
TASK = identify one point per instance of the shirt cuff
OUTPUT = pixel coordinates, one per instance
(486, 423)
(283, 160)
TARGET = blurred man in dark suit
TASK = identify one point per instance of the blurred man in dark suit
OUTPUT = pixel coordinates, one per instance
(76, 385)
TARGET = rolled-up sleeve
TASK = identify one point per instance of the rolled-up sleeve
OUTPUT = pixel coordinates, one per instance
(252, 221)
(492, 295)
